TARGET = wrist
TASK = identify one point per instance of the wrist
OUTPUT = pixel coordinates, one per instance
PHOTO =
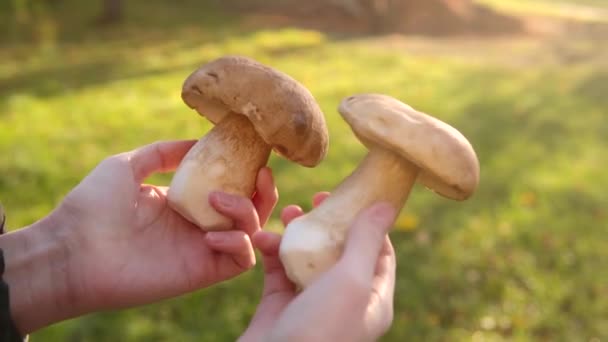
(37, 271)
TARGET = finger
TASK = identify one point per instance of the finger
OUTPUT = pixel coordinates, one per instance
(268, 243)
(386, 261)
(229, 242)
(319, 197)
(289, 213)
(237, 208)
(266, 195)
(366, 239)
(162, 190)
(234, 243)
(163, 156)
(384, 288)
(384, 281)
(275, 279)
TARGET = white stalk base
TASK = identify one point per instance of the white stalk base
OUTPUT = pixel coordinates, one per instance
(312, 243)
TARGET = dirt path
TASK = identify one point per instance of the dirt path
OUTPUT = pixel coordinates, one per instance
(546, 39)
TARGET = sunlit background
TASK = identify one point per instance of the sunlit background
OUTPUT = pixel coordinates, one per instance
(526, 81)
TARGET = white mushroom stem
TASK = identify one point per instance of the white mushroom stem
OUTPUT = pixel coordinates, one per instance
(226, 159)
(312, 243)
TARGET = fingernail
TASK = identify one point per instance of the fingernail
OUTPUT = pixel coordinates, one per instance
(224, 200)
(382, 212)
(215, 237)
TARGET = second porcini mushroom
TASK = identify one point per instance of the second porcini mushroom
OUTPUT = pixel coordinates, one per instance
(255, 109)
(404, 145)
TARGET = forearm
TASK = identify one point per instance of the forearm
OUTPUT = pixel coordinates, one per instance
(36, 271)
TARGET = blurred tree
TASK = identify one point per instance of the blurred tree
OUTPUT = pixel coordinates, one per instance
(111, 12)
(31, 19)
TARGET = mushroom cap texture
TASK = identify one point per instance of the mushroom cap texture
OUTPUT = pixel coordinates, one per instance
(448, 163)
(283, 111)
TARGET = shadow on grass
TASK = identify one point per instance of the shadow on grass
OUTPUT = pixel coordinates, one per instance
(65, 78)
(49, 81)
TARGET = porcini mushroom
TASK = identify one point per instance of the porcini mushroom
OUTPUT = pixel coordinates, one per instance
(255, 109)
(404, 145)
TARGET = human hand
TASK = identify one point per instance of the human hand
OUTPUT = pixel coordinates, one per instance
(352, 301)
(122, 245)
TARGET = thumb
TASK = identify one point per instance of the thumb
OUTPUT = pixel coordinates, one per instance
(162, 156)
(366, 238)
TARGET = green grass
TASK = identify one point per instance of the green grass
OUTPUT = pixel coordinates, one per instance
(525, 259)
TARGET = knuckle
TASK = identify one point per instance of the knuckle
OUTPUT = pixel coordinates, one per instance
(248, 262)
(115, 160)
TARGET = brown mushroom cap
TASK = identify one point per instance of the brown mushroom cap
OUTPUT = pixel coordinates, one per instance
(283, 112)
(447, 160)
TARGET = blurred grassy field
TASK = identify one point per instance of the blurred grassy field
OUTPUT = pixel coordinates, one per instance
(524, 260)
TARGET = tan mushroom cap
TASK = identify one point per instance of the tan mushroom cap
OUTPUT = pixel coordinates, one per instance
(448, 163)
(283, 112)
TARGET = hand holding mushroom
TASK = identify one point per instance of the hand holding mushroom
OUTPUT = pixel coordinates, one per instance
(404, 146)
(353, 301)
(126, 247)
(255, 109)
